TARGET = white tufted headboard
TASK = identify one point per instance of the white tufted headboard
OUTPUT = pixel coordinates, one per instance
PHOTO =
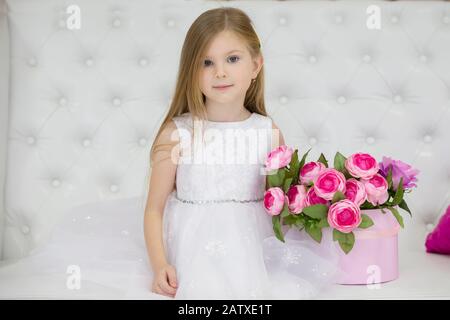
(4, 78)
(84, 105)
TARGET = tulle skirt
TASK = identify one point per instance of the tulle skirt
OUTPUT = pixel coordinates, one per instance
(219, 251)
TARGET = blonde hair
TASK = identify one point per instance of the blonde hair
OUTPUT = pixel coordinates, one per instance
(188, 96)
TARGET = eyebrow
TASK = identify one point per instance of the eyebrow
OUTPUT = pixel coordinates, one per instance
(235, 50)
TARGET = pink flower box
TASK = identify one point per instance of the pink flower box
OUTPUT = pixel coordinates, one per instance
(354, 206)
(374, 257)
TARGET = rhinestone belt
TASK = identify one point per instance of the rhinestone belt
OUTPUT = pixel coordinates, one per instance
(217, 201)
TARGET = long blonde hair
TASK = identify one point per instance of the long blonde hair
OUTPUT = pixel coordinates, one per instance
(188, 96)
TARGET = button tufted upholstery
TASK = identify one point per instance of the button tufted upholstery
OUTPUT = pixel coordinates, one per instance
(84, 104)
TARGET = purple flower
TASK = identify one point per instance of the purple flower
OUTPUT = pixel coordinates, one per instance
(399, 170)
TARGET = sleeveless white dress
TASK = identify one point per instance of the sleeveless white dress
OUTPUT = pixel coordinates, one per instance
(216, 234)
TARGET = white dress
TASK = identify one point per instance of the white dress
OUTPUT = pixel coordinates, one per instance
(216, 233)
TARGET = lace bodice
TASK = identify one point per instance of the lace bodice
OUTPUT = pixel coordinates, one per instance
(222, 160)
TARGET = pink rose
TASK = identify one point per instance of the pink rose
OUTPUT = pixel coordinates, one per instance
(296, 196)
(279, 158)
(328, 182)
(377, 189)
(312, 198)
(362, 165)
(274, 201)
(310, 171)
(355, 191)
(344, 216)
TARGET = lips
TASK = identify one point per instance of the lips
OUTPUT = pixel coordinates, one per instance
(222, 86)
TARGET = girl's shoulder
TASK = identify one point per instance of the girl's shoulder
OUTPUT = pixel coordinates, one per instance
(263, 119)
(182, 120)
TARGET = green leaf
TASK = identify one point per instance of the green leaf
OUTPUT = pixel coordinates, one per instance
(287, 184)
(337, 235)
(399, 194)
(281, 174)
(323, 160)
(290, 220)
(285, 212)
(389, 177)
(366, 222)
(397, 216)
(346, 240)
(277, 179)
(338, 196)
(277, 228)
(317, 211)
(294, 159)
(294, 167)
(314, 232)
(404, 206)
(272, 181)
(323, 223)
(347, 244)
(367, 205)
(302, 218)
(339, 161)
(302, 162)
(299, 223)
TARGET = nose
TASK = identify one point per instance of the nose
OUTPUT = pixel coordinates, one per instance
(220, 71)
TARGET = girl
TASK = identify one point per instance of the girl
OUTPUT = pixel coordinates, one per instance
(206, 231)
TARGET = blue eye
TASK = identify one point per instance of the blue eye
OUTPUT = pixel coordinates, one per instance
(207, 62)
(237, 58)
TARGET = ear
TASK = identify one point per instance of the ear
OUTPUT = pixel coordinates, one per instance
(257, 65)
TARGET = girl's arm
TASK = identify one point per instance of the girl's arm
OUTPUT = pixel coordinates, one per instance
(162, 183)
(277, 140)
(277, 136)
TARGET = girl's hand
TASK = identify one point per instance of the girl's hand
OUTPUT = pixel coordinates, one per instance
(165, 281)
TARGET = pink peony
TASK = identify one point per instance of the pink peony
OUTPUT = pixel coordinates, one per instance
(310, 171)
(296, 196)
(344, 216)
(312, 198)
(279, 158)
(377, 189)
(355, 191)
(274, 201)
(328, 182)
(362, 165)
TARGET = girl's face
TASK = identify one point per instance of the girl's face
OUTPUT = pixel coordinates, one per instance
(227, 63)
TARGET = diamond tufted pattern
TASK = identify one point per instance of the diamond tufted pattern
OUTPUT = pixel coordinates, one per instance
(84, 104)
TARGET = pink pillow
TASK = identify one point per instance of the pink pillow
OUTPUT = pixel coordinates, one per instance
(438, 241)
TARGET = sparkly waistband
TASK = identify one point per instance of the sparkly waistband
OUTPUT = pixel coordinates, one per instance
(217, 201)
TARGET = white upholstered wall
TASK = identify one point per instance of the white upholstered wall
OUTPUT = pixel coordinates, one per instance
(84, 105)
(4, 87)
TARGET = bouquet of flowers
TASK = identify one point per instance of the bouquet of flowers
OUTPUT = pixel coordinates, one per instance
(311, 196)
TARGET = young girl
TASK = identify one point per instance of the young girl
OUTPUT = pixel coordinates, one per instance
(207, 233)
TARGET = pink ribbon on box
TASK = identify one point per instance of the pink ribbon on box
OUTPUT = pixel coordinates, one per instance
(385, 233)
